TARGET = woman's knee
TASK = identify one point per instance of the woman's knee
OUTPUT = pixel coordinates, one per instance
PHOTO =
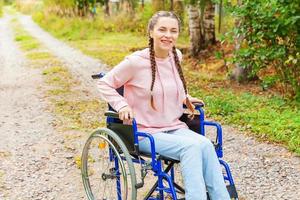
(201, 144)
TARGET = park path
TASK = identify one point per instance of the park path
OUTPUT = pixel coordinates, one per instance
(261, 170)
(34, 164)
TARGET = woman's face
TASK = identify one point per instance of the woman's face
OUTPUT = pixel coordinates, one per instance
(165, 33)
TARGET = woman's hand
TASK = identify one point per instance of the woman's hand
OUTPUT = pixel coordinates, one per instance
(125, 113)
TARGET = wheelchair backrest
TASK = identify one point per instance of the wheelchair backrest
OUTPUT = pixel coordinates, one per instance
(125, 132)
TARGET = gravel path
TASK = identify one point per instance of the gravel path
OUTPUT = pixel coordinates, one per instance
(261, 170)
(81, 65)
(33, 163)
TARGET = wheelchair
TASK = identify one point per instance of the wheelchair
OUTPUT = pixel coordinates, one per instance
(113, 168)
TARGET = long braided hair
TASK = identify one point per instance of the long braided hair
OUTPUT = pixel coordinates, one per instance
(151, 25)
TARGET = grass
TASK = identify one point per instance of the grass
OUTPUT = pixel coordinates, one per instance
(265, 115)
(268, 117)
(38, 55)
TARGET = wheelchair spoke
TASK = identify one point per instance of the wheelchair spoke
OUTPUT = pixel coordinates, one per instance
(108, 176)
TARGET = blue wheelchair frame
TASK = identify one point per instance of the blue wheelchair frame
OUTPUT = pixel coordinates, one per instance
(156, 159)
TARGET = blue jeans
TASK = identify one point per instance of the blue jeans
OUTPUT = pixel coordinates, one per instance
(199, 164)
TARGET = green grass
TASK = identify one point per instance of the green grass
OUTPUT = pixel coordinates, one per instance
(267, 117)
(38, 55)
(26, 42)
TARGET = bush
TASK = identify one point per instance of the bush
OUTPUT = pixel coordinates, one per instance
(270, 39)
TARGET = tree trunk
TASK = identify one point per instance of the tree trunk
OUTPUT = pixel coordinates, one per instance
(142, 4)
(241, 73)
(128, 6)
(196, 38)
(178, 7)
(106, 7)
(172, 5)
(158, 5)
(209, 23)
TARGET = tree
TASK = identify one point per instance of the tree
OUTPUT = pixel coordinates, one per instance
(158, 5)
(201, 25)
(196, 37)
(178, 7)
(241, 73)
(209, 23)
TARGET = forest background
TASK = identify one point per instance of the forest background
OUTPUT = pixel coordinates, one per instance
(241, 57)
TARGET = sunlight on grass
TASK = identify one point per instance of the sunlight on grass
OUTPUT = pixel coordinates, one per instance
(38, 55)
(29, 45)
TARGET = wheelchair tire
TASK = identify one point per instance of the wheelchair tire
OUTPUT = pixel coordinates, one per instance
(107, 168)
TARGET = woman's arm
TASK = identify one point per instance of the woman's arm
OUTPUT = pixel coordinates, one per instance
(114, 79)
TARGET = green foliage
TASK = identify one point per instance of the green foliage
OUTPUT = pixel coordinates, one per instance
(270, 33)
(269, 81)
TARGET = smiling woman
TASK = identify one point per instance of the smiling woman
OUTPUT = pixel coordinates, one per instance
(154, 92)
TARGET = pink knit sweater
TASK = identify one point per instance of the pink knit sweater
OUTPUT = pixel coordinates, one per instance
(134, 72)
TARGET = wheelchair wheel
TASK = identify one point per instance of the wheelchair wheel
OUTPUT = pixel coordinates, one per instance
(107, 169)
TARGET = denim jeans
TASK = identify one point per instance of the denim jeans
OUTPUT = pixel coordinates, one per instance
(199, 164)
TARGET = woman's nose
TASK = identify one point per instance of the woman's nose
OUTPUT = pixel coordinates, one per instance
(168, 34)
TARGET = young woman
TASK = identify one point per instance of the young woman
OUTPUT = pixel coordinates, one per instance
(154, 92)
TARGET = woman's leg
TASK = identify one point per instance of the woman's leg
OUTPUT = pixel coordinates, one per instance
(212, 172)
(196, 155)
(182, 148)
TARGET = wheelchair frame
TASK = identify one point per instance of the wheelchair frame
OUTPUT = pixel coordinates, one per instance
(129, 139)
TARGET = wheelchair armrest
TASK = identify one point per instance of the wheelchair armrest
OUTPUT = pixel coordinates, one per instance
(112, 114)
(197, 105)
(98, 76)
(153, 151)
(219, 136)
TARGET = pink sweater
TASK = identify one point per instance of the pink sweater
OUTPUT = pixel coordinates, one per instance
(134, 72)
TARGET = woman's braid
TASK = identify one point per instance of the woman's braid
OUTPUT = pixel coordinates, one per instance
(153, 69)
(179, 69)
